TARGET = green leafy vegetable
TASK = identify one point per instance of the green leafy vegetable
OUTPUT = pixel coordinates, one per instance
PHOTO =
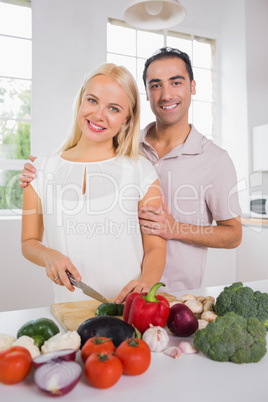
(244, 301)
(232, 338)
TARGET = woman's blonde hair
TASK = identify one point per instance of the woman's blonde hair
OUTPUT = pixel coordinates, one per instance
(126, 141)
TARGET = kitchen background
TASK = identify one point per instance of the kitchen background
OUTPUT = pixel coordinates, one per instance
(70, 39)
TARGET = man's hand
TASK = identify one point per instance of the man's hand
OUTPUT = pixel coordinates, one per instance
(28, 173)
(157, 221)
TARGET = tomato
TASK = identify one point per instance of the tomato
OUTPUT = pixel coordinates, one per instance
(135, 355)
(15, 364)
(102, 370)
(97, 344)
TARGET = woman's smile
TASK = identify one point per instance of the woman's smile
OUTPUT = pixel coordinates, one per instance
(95, 127)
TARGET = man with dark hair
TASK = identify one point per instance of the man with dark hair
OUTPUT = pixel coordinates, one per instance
(197, 177)
(165, 53)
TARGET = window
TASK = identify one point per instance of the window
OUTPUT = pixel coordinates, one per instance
(131, 47)
(15, 101)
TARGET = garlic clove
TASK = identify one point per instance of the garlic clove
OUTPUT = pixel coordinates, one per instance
(173, 351)
(187, 347)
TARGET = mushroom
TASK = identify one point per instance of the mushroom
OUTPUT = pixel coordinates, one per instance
(202, 324)
(211, 298)
(186, 297)
(209, 316)
(174, 302)
(208, 306)
(194, 305)
(200, 298)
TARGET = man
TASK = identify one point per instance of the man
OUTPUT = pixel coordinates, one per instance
(197, 177)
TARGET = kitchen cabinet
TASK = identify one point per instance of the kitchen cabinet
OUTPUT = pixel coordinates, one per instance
(190, 377)
(252, 254)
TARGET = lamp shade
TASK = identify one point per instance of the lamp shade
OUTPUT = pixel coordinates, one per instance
(154, 14)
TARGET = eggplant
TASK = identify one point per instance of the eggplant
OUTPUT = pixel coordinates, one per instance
(111, 327)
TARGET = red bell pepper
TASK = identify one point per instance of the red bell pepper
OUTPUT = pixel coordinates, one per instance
(143, 309)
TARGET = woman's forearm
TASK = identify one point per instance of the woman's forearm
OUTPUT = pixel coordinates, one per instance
(55, 263)
(153, 265)
(34, 251)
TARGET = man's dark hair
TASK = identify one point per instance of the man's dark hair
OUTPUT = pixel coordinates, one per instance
(165, 53)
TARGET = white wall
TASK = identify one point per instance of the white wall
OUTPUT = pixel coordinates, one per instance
(257, 62)
(234, 120)
(23, 284)
(69, 39)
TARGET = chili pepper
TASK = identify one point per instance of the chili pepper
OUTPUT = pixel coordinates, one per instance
(143, 309)
(40, 330)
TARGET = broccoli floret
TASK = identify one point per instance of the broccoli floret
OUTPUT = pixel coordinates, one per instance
(261, 300)
(244, 301)
(232, 338)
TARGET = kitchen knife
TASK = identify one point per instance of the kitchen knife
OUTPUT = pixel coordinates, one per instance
(86, 289)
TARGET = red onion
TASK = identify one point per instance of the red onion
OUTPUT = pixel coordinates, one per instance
(57, 378)
(181, 320)
(63, 354)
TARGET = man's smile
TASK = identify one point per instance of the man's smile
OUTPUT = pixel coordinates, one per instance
(170, 107)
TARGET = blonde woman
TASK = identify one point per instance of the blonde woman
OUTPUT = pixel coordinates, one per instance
(86, 197)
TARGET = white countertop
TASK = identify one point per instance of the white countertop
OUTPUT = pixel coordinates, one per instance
(190, 378)
(259, 221)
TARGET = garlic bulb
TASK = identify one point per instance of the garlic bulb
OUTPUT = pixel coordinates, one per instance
(156, 338)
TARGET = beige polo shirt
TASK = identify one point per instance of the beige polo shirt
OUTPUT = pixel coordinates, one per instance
(199, 182)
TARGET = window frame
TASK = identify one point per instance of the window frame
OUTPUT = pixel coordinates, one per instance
(10, 164)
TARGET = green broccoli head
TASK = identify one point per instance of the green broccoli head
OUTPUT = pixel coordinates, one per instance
(232, 338)
(243, 301)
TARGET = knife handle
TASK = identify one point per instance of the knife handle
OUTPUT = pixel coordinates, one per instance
(71, 278)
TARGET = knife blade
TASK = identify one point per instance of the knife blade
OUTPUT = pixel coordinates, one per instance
(87, 290)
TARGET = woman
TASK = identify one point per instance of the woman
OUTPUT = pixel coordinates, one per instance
(86, 198)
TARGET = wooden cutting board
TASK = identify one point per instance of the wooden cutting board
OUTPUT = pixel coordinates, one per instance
(71, 315)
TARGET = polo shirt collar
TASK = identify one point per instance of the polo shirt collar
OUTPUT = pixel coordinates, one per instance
(192, 145)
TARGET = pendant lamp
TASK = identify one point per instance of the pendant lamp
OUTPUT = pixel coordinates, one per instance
(154, 14)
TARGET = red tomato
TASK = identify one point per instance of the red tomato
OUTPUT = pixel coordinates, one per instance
(15, 364)
(97, 344)
(102, 370)
(135, 355)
